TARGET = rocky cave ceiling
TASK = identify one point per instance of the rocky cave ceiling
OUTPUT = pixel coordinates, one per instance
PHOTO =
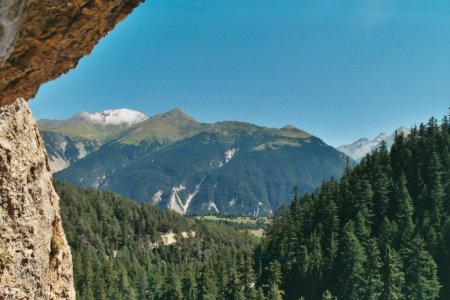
(42, 39)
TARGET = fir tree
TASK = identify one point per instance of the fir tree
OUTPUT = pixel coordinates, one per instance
(372, 268)
(275, 278)
(351, 281)
(436, 190)
(405, 211)
(207, 284)
(420, 272)
(392, 275)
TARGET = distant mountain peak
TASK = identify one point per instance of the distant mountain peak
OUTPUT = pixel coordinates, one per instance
(289, 127)
(114, 117)
(381, 137)
(403, 130)
(360, 148)
(176, 113)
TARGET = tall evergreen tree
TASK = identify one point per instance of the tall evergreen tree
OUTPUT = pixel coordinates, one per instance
(275, 279)
(381, 199)
(372, 267)
(405, 211)
(351, 280)
(207, 289)
(436, 190)
(392, 275)
(420, 272)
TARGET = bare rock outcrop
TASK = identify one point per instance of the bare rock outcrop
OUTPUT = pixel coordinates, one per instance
(42, 39)
(35, 259)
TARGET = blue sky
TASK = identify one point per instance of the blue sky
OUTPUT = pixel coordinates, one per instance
(338, 69)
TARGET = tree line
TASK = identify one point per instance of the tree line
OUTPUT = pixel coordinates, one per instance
(381, 232)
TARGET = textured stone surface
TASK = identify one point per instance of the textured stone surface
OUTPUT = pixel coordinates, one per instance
(39, 41)
(42, 39)
(35, 259)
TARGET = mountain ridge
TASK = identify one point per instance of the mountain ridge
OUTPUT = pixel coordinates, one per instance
(175, 162)
(363, 146)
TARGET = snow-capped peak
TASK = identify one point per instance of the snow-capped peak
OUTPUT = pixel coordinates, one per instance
(115, 117)
(379, 138)
(363, 146)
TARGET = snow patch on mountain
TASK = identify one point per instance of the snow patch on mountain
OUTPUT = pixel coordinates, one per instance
(115, 117)
(360, 148)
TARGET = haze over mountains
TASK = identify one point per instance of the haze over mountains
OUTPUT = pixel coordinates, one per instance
(194, 168)
(360, 148)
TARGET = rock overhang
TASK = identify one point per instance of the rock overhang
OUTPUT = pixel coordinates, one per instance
(42, 39)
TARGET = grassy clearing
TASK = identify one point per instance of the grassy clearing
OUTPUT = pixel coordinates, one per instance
(239, 220)
(257, 232)
(250, 224)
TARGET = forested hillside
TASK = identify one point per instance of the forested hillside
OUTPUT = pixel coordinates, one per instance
(381, 232)
(119, 251)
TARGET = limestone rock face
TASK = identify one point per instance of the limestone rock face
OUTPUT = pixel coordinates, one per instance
(35, 259)
(42, 39)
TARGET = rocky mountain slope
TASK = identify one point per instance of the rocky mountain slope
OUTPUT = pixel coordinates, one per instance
(194, 168)
(70, 140)
(360, 148)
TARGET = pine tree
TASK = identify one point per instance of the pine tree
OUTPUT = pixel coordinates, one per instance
(362, 232)
(260, 294)
(436, 190)
(274, 281)
(405, 211)
(388, 232)
(87, 290)
(392, 275)
(364, 200)
(207, 284)
(372, 268)
(444, 258)
(382, 186)
(351, 281)
(420, 272)
(173, 288)
(248, 274)
(235, 288)
(346, 201)
(190, 286)
(314, 267)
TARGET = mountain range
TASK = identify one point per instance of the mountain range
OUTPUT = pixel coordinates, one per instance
(360, 148)
(175, 162)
